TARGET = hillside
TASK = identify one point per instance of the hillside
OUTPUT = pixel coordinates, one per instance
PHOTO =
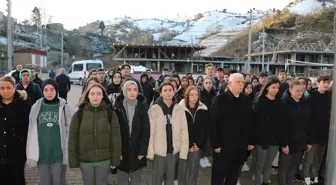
(294, 23)
(177, 30)
(222, 32)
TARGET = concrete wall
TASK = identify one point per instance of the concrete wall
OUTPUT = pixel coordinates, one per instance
(26, 59)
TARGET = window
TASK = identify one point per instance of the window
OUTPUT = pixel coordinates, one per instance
(90, 66)
(78, 67)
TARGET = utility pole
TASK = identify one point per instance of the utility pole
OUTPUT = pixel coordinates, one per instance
(248, 68)
(331, 164)
(62, 32)
(263, 35)
(41, 37)
(9, 35)
(45, 29)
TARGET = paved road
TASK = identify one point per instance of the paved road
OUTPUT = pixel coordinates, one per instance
(73, 178)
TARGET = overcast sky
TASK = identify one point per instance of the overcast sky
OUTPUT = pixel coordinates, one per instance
(74, 13)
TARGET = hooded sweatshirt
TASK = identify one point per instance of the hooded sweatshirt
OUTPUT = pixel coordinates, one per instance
(113, 89)
(168, 112)
(64, 119)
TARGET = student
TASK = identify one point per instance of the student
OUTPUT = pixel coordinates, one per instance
(147, 87)
(14, 121)
(197, 118)
(248, 91)
(183, 87)
(207, 94)
(131, 108)
(320, 103)
(47, 135)
(296, 132)
(267, 119)
(114, 89)
(94, 137)
(92, 73)
(32, 89)
(168, 136)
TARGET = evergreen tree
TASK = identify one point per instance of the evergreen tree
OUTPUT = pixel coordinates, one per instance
(36, 17)
(102, 27)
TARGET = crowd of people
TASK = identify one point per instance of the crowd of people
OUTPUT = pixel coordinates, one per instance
(180, 124)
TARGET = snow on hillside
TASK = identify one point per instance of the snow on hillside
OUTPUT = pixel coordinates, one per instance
(213, 22)
(214, 42)
(306, 6)
(3, 41)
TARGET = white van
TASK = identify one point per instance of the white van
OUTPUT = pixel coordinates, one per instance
(79, 70)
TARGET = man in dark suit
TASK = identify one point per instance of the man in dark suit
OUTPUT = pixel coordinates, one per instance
(230, 131)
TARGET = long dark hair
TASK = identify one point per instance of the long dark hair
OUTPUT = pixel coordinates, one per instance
(251, 95)
(272, 80)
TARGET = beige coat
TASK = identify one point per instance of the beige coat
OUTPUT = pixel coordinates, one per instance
(158, 140)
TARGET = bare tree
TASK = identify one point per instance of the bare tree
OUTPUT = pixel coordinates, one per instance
(26, 22)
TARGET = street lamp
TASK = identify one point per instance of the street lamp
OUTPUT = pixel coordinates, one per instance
(248, 68)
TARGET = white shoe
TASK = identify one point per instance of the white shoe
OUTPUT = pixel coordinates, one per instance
(207, 162)
(315, 180)
(245, 168)
(238, 182)
(307, 181)
(175, 182)
(202, 163)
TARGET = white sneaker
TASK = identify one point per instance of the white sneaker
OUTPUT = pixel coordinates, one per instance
(175, 182)
(307, 181)
(202, 163)
(238, 182)
(245, 168)
(207, 162)
(315, 180)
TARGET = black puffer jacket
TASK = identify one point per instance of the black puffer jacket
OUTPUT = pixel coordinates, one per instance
(147, 88)
(296, 128)
(320, 119)
(266, 121)
(137, 143)
(207, 97)
(197, 124)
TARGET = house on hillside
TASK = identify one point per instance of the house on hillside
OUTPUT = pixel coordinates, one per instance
(30, 57)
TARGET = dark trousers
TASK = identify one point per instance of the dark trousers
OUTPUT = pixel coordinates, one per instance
(288, 165)
(63, 94)
(12, 174)
(227, 165)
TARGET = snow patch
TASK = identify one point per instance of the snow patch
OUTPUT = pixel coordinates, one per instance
(307, 6)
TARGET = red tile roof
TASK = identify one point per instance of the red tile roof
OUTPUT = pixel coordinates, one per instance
(31, 50)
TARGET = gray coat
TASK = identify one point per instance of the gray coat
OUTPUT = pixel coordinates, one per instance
(32, 151)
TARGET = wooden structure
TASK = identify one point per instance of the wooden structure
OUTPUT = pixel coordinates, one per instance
(174, 57)
(300, 57)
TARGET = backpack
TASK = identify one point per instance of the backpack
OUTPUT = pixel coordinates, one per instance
(80, 114)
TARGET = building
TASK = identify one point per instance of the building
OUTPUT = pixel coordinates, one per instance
(302, 59)
(30, 57)
(180, 58)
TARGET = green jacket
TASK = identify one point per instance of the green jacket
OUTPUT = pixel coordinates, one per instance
(94, 139)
